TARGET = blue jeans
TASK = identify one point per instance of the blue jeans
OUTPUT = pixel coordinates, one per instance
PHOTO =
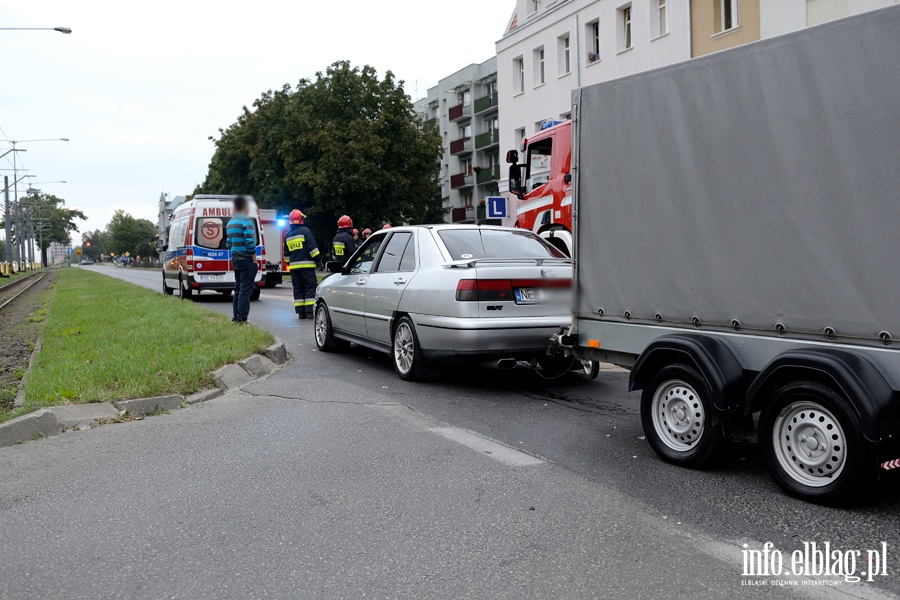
(245, 269)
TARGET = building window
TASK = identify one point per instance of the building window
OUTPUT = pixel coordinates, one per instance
(727, 14)
(464, 97)
(593, 36)
(539, 78)
(662, 17)
(625, 39)
(465, 198)
(465, 166)
(532, 7)
(519, 75)
(520, 138)
(565, 57)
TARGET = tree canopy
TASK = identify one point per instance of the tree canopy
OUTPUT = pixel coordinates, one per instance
(124, 233)
(345, 143)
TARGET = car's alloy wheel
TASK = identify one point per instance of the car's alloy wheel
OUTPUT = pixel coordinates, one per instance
(325, 340)
(404, 349)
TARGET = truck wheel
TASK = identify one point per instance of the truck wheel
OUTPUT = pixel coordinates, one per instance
(813, 446)
(407, 354)
(166, 289)
(184, 289)
(679, 419)
(325, 340)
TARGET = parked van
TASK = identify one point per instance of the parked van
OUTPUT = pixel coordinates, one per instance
(195, 255)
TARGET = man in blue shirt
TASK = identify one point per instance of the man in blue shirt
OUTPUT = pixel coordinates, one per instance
(240, 238)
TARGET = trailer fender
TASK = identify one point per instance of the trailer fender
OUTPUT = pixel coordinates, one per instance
(710, 356)
(861, 382)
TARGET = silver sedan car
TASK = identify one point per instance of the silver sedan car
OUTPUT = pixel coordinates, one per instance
(430, 295)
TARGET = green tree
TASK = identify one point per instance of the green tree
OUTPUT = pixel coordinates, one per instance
(94, 244)
(345, 143)
(124, 233)
(52, 221)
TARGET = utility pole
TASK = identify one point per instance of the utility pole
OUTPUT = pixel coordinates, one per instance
(7, 220)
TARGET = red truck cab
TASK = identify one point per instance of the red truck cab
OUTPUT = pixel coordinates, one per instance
(543, 184)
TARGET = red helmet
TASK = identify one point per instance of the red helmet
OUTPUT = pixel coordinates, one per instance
(367, 231)
(387, 226)
(297, 217)
(345, 221)
(356, 232)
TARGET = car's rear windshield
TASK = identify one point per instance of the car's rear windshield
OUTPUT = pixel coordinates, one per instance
(466, 244)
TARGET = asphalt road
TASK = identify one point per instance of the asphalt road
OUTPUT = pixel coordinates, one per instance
(333, 478)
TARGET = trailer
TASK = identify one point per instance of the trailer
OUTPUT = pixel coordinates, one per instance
(735, 229)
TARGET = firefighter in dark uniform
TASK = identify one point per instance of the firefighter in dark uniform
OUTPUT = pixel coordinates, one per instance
(300, 248)
(344, 245)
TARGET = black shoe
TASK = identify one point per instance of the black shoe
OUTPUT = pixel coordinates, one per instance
(301, 316)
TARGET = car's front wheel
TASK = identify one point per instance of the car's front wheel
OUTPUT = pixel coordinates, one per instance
(407, 353)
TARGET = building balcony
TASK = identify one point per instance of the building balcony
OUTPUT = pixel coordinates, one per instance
(460, 111)
(488, 175)
(461, 180)
(430, 123)
(488, 138)
(486, 103)
(461, 146)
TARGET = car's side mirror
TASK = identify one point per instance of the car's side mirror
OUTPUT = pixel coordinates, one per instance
(334, 266)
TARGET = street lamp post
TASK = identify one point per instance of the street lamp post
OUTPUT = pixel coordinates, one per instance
(65, 30)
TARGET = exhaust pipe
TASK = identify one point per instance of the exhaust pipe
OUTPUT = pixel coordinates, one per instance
(506, 363)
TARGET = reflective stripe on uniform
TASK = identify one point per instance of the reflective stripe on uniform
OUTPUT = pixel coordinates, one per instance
(306, 264)
(339, 248)
(304, 303)
(314, 253)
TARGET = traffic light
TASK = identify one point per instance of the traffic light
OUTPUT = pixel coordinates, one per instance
(88, 244)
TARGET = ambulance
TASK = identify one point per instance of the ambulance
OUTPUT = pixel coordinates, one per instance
(195, 257)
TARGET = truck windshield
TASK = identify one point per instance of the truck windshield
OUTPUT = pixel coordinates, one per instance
(467, 244)
(211, 232)
(538, 164)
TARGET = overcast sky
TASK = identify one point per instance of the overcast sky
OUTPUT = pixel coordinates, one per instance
(139, 90)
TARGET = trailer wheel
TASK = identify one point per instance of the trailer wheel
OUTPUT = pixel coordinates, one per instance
(679, 419)
(812, 444)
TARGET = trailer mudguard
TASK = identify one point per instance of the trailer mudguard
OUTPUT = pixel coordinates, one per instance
(865, 388)
(710, 356)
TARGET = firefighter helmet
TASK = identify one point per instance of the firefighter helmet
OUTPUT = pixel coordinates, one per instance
(367, 232)
(345, 221)
(356, 232)
(387, 226)
(297, 217)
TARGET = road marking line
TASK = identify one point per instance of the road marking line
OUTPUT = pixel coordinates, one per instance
(416, 421)
(488, 447)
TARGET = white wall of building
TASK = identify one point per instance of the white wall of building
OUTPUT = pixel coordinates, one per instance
(573, 18)
(783, 16)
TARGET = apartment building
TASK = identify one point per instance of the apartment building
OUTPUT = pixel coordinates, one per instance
(551, 47)
(464, 107)
(720, 24)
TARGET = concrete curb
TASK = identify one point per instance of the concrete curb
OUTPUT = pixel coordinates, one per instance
(141, 406)
(47, 422)
(20, 395)
(204, 395)
(39, 424)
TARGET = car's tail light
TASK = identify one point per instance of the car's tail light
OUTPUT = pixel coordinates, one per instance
(465, 291)
(471, 290)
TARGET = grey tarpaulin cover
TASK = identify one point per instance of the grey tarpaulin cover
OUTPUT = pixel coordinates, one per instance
(757, 184)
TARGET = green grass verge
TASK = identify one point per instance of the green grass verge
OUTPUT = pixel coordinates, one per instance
(106, 339)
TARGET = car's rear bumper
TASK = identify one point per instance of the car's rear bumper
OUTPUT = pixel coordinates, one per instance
(452, 339)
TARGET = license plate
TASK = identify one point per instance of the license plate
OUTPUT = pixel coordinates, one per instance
(213, 278)
(527, 296)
